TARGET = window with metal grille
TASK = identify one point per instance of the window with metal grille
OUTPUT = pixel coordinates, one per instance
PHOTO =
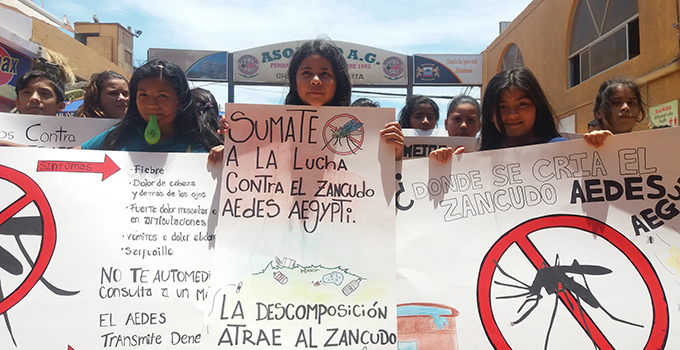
(604, 33)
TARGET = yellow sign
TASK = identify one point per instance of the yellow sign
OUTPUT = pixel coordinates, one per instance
(664, 114)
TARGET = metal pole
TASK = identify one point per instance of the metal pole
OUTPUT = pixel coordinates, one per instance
(230, 77)
(409, 70)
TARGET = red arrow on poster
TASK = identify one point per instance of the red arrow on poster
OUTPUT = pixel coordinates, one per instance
(70, 348)
(107, 168)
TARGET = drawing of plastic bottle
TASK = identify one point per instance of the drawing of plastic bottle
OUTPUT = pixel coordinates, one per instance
(351, 286)
(285, 262)
(280, 277)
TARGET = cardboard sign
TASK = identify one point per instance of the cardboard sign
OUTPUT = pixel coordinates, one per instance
(103, 250)
(422, 146)
(557, 246)
(305, 250)
(50, 131)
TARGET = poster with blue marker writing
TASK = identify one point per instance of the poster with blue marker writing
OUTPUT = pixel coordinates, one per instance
(304, 255)
(555, 246)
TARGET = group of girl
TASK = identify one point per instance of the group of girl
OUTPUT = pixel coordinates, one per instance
(161, 104)
(514, 112)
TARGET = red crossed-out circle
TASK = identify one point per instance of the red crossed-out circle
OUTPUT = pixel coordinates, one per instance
(330, 132)
(519, 235)
(5, 77)
(32, 194)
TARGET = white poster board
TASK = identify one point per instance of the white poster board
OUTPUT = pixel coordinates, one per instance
(50, 131)
(305, 251)
(556, 246)
(421, 146)
(103, 250)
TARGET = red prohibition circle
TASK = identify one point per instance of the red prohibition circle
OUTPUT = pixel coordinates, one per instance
(32, 194)
(5, 77)
(333, 129)
(519, 235)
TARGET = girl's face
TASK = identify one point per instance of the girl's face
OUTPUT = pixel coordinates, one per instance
(463, 121)
(315, 81)
(114, 97)
(624, 113)
(423, 117)
(157, 97)
(518, 114)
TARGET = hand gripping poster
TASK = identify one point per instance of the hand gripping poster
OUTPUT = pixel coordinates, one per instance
(304, 255)
(104, 250)
(554, 246)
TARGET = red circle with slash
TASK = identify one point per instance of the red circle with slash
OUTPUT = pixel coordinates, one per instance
(32, 194)
(335, 131)
(519, 235)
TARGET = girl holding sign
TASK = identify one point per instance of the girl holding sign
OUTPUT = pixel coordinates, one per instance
(420, 112)
(618, 107)
(161, 116)
(317, 76)
(515, 112)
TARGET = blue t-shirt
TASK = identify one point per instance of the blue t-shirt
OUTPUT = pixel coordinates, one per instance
(557, 139)
(137, 143)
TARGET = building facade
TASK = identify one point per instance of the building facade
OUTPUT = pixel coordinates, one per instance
(572, 46)
(31, 37)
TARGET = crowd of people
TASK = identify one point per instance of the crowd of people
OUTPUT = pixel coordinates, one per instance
(158, 112)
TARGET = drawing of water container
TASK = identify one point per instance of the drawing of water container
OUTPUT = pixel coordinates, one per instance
(350, 287)
(279, 276)
(285, 262)
(426, 326)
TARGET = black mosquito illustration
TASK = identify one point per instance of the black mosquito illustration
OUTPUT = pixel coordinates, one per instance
(554, 280)
(347, 131)
(17, 227)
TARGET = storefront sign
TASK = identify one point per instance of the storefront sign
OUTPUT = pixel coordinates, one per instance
(367, 65)
(447, 70)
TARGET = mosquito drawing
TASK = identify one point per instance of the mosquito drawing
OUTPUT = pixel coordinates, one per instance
(554, 280)
(16, 227)
(349, 129)
(12, 265)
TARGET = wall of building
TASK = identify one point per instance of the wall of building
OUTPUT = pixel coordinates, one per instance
(125, 45)
(542, 33)
(83, 60)
(120, 42)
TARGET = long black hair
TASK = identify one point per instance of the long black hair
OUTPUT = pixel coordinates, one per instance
(520, 78)
(91, 107)
(185, 125)
(605, 97)
(326, 49)
(463, 100)
(207, 108)
(411, 106)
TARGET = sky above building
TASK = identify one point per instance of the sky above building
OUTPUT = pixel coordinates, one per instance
(408, 27)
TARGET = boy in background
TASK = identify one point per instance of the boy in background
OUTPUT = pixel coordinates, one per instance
(40, 92)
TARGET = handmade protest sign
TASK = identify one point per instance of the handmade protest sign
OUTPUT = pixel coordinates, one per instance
(304, 254)
(50, 131)
(103, 250)
(422, 146)
(557, 246)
